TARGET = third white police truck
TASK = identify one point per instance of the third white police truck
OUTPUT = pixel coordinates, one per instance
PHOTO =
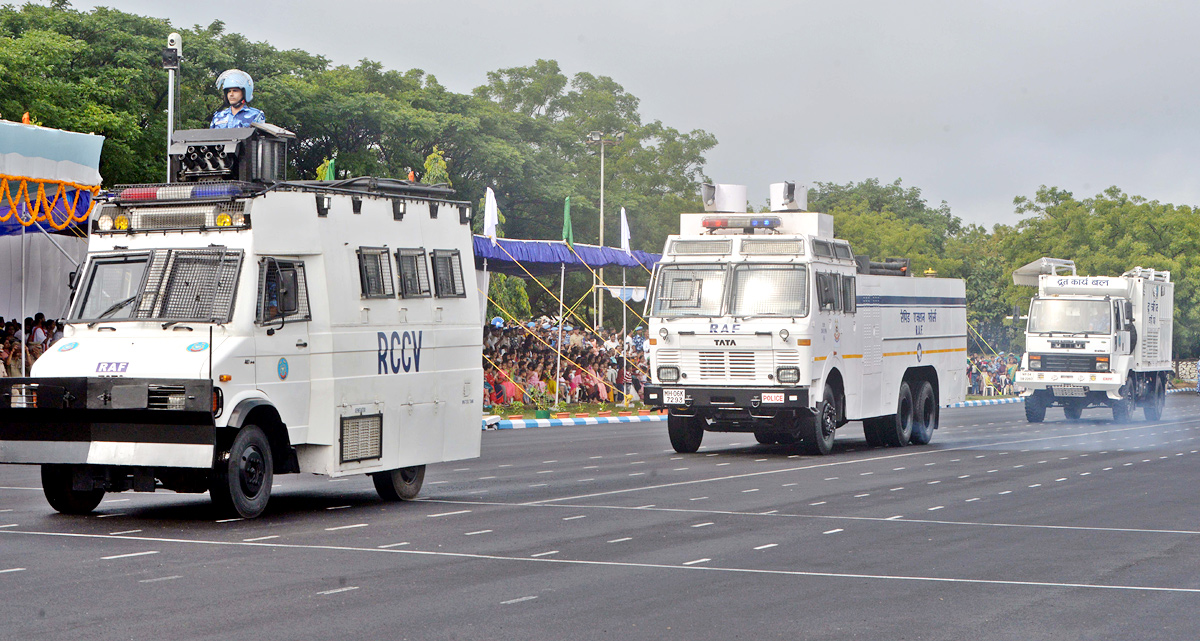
(1096, 340)
(766, 323)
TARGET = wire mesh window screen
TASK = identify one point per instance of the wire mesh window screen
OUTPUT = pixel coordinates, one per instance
(842, 250)
(447, 274)
(282, 291)
(773, 247)
(770, 290)
(414, 273)
(822, 248)
(693, 247)
(375, 272)
(686, 290)
(200, 285)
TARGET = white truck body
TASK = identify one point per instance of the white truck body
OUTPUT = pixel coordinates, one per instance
(293, 314)
(1096, 340)
(732, 312)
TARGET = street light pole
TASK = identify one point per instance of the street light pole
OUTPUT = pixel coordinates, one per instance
(598, 138)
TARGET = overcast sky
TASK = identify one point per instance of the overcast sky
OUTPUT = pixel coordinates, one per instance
(974, 103)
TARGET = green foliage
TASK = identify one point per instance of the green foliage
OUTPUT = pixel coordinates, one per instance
(509, 299)
(435, 168)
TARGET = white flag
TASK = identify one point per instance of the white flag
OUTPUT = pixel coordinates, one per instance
(625, 233)
(491, 215)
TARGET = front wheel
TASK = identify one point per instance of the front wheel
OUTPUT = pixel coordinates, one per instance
(686, 433)
(1073, 412)
(926, 417)
(58, 485)
(1035, 408)
(399, 485)
(242, 476)
(819, 430)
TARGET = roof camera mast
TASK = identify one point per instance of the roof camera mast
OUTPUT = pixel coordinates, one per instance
(171, 56)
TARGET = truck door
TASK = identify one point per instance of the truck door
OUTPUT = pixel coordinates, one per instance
(281, 352)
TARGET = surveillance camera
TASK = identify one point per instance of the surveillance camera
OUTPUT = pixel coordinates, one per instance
(174, 42)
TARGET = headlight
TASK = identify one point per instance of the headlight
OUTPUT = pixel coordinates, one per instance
(224, 220)
(1035, 362)
(1102, 364)
(662, 332)
(121, 223)
(105, 222)
(668, 374)
(783, 334)
(788, 375)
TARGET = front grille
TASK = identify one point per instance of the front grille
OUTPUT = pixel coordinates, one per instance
(712, 365)
(667, 357)
(166, 397)
(1067, 362)
(741, 365)
(362, 437)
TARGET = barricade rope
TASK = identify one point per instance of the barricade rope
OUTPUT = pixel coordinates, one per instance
(982, 340)
(39, 207)
(605, 285)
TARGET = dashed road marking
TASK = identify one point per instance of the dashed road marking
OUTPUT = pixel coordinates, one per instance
(520, 600)
(767, 546)
(476, 532)
(161, 578)
(262, 538)
(434, 516)
(126, 556)
(622, 539)
(697, 561)
(338, 590)
(345, 527)
(541, 554)
(834, 531)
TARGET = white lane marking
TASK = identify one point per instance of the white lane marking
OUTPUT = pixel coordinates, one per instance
(572, 518)
(595, 457)
(7, 510)
(748, 491)
(585, 480)
(859, 496)
(392, 545)
(643, 507)
(679, 469)
(591, 467)
(520, 600)
(697, 561)
(698, 498)
(339, 590)
(12, 570)
(622, 539)
(124, 532)
(548, 462)
(834, 531)
(965, 476)
(105, 516)
(437, 482)
(539, 485)
(770, 512)
(486, 478)
(115, 501)
(1006, 492)
(345, 527)
(461, 469)
(546, 472)
(788, 484)
(933, 482)
(434, 516)
(723, 464)
(337, 507)
(893, 518)
(936, 507)
(228, 520)
(5, 487)
(627, 564)
(161, 578)
(541, 554)
(817, 503)
(971, 500)
(706, 524)
(9, 525)
(262, 538)
(866, 473)
(476, 532)
(767, 546)
(896, 489)
(1036, 485)
(832, 478)
(637, 474)
(126, 556)
(505, 465)
(1059, 480)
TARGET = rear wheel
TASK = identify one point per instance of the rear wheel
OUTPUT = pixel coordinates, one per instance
(399, 485)
(897, 428)
(1035, 408)
(819, 430)
(242, 476)
(686, 433)
(926, 415)
(58, 485)
(1153, 408)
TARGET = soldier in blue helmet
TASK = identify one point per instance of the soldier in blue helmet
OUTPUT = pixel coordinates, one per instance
(238, 88)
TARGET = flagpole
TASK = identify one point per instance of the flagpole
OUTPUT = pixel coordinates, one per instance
(562, 278)
(25, 334)
(624, 355)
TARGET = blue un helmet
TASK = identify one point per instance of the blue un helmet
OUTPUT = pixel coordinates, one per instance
(236, 79)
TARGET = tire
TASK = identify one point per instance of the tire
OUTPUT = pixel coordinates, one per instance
(57, 482)
(1122, 410)
(819, 431)
(242, 476)
(897, 429)
(766, 438)
(872, 431)
(1153, 408)
(1073, 412)
(1035, 408)
(399, 485)
(926, 414)
(686, 433)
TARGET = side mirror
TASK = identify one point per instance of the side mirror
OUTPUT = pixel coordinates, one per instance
(73, 279)
(1128, 309)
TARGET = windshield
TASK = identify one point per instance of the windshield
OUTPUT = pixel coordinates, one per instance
(163, 284)
(1070, 316)
(770, 290)
(689, 290)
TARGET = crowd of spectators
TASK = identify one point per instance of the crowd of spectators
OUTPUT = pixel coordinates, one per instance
(520, 361)
(992, 376)
(36, 335)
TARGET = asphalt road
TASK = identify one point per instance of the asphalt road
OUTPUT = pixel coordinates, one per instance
(997, 530)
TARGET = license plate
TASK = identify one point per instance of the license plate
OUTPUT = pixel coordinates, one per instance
(1070, 390)
(673, 397)
(772, 397)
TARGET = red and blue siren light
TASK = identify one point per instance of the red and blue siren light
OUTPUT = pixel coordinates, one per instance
(180, 191)
(741, 222)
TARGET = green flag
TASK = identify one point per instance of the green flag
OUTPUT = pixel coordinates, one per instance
(568, 233)
(330, 172)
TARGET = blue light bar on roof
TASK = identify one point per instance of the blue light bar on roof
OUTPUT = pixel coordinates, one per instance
(741, 222)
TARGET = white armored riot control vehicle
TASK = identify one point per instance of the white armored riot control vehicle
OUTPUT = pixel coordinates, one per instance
(767, 323)
(233, 325)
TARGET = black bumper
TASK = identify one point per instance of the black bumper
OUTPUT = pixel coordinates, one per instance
(123, 410)
(728, 398)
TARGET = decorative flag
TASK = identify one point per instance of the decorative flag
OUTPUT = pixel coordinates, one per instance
(491, 215)
(625, 233)
(568, 232)
(330, 171)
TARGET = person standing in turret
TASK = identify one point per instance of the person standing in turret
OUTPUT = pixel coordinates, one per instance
(238, 88)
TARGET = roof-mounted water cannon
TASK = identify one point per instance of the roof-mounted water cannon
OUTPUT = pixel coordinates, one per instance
(787, 196)
(247, 154)
(724, 198)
